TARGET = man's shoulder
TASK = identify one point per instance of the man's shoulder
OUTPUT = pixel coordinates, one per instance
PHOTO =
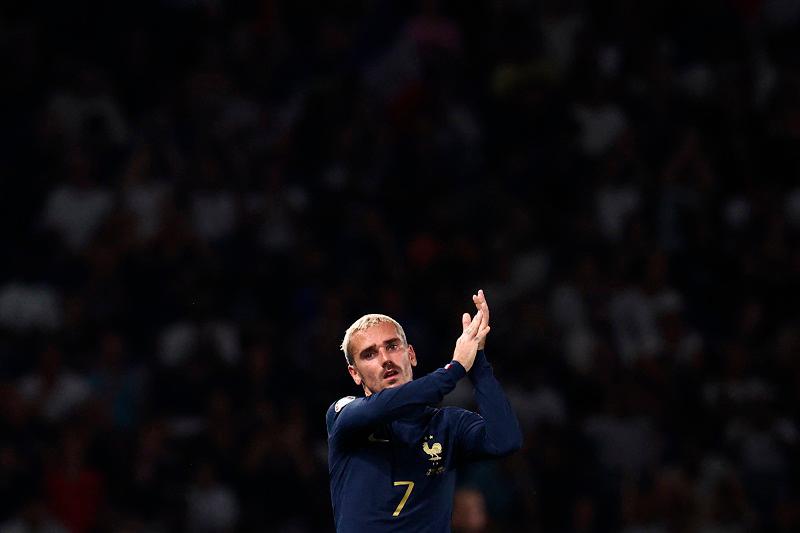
(335, 408)
(339, 404)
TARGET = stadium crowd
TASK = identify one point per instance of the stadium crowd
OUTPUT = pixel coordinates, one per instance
(199, 196)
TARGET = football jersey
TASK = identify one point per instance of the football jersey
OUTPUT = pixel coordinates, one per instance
(393, 456)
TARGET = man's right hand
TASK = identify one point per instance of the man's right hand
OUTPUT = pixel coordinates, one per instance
(473, 335)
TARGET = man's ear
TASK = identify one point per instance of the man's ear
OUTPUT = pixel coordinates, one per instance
(412, 356)
(354, 374)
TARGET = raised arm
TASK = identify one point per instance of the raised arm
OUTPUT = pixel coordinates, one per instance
(496, 430)
(345, 417)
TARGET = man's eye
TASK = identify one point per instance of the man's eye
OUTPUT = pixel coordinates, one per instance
(393, 346)
(369, 355)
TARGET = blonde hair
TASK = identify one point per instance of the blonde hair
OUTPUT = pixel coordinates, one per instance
(367, 321)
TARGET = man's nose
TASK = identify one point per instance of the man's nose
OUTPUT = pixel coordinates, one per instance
(384, 354)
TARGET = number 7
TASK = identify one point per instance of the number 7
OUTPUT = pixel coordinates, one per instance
(405, 496)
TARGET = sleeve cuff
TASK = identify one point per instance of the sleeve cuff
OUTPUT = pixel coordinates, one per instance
(456, 368)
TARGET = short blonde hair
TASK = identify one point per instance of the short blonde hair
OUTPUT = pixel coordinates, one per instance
(367, 321)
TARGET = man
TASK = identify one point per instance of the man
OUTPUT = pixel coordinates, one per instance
(392, 455)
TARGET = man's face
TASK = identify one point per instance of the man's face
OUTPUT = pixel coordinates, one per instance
(380, 359)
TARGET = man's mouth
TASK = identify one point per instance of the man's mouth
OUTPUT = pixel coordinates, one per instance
(390, 373)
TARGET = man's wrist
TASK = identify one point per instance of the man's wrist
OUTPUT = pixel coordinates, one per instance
(456, 366)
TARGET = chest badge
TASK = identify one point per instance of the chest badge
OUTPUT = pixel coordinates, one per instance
(434, 450)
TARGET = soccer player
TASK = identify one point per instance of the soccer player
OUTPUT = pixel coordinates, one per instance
(393, 455)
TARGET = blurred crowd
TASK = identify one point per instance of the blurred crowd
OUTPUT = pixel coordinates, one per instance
(199, 196)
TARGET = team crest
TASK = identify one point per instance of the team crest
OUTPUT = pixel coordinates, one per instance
(433, 450)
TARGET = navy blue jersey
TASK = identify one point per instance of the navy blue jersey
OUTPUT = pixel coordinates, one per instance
(392, 456)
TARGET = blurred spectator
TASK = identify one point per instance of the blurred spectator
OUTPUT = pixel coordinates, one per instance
(211, 507)
(76, 209)
(725, 506)
(33, 518)
(118, 387)
(75, 490)
(29, 307)
(143, 194)
(153, 477)
(214, 207)
(52, 391)
(469, 512)
(86, 103)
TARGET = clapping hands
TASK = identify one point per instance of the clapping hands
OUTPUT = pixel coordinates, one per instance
(473, 335)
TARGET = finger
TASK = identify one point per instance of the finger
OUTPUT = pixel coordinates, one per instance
(474, 326)
(480, 298)
(480, 305)
(481, 337)
(465, 321)
(476, 320)
(477, 300)
(483, 305)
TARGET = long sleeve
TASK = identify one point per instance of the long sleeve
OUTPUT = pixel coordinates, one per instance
(496, 430)
(392, 403)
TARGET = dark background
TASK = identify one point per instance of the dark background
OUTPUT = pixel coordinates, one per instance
(198, 197)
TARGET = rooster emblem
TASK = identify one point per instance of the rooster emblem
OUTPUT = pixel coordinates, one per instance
(433, 451)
